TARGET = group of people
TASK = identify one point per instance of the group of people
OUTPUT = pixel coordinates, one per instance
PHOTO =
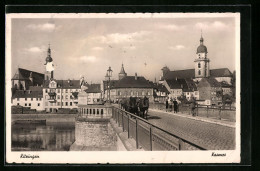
(172, 103)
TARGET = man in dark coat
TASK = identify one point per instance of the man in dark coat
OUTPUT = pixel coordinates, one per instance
(175, 106)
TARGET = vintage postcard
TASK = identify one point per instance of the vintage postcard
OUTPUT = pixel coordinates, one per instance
(127, 88)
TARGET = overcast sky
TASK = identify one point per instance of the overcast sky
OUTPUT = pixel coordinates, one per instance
(89, 46)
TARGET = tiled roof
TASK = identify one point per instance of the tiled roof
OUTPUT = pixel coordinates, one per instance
(131, 82)
(65, 84)
(174, 84)
(225, 85)
(188, 73)
(191, 85)
(93, 88)
(212, 82)
(161, 88)
(221, 72)
(23, 74)
(112, 83)
(35, 88)
(27, 94)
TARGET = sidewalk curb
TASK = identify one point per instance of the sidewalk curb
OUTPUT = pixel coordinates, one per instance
(199, 119)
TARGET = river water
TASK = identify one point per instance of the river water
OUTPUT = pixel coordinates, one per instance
(42, 136)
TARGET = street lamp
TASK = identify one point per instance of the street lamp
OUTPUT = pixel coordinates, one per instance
(108, 75)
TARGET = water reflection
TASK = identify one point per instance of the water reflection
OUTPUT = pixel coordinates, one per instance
(42, 137)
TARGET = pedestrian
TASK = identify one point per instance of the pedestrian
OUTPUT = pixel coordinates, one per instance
(175, 105)
(170, 104)
(167, 105)
(193, 106)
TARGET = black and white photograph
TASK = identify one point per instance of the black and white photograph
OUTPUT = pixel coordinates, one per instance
(123, 88)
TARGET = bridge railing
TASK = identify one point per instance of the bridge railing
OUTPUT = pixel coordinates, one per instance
(217, 112)
(149, 136)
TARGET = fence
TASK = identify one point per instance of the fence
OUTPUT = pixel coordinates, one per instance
(216, 112)
(149, 136)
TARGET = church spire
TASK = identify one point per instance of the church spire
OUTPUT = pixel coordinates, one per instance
(122, 72)
(201, 38)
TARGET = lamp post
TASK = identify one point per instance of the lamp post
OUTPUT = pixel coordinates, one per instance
(108, 75)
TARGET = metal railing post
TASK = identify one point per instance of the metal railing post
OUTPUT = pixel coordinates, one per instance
(136, 132)
(151, 138)
(197, 110)
(207, 111)
(128, 126)
(180, 144)
(123, 120)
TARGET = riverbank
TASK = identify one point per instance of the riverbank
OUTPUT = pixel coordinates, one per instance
(44, 117)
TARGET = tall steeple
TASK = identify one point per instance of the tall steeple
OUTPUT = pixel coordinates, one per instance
(122, 73)
(49, 65)
(201, 61)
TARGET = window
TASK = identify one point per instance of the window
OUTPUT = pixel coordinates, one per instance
(18, 99)
(17, 104)
(31, 99)
(58, 96)
(58, 103)
(29, 104)
(188, 93)
(25, 104)
(119, 93)
(25, 99)
(58, 90)
(66, 90)
(66, 97)
(199, 72)
(71, 103)
(46, 90)
(66, 104)
(38, 104)
(94, 111)
(199, 65)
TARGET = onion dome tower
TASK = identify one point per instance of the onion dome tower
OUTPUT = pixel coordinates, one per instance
(122, 73)
(202, 62)
(49, 65)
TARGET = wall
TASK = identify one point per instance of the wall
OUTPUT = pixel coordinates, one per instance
(35, 104)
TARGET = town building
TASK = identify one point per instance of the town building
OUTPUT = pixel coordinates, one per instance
(61, 94)
(31, 98)
(160, 92)
(24, 78)
(192, 77)
(210, 91)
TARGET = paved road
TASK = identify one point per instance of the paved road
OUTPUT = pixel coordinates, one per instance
(212, 136)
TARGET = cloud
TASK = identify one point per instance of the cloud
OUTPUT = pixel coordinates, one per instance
(48, 27)
(34, 49)
(86, 59)
(97, 48)
(216, 25)
(172, 27)
(122, 37)
(177, 47)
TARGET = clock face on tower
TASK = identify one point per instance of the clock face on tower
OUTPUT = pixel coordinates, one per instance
(49, 66)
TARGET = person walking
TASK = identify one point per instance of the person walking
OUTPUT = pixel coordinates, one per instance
(175, 105)
(166, 105)
(193, 106)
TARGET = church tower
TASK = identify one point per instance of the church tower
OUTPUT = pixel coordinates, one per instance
(201, 62)
(48, 75)
(122, 73)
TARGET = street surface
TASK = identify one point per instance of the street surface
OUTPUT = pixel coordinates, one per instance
(212, 136)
